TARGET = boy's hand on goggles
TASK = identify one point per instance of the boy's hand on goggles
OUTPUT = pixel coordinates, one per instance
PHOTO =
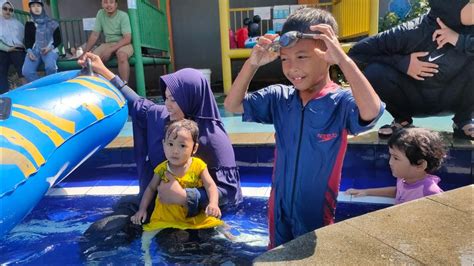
(261, 52)
(334, 53)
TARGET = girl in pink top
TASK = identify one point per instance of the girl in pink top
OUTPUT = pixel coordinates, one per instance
(414, 154)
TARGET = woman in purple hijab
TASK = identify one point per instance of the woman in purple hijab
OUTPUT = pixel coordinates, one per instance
(187, 94)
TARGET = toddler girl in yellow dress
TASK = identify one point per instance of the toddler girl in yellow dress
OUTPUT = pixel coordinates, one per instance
(180, 144)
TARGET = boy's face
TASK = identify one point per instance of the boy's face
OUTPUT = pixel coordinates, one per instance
(7, 11)
(36, 8)
(301, 66)
(400, 165)
(110, 6)
(179, 147)
(173, 108)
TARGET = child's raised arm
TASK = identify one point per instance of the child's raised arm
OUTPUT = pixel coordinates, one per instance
(213, 208)
(140, 216)
(366, 98)
(260, 56)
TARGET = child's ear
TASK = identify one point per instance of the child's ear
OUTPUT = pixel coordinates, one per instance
(422, 165)
(195, 148)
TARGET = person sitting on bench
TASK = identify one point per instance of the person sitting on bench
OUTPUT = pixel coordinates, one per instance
(115, 24)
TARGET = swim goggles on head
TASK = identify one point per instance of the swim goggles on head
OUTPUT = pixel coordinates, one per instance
(289, 39)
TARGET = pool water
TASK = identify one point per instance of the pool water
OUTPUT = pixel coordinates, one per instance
(52, 235)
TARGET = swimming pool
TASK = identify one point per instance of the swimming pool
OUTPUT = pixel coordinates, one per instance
(53, 232)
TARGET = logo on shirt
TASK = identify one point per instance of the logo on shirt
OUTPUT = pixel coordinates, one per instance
(431, 59)
(326, 137)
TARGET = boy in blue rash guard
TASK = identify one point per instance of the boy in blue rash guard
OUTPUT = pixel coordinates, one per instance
(312, 119)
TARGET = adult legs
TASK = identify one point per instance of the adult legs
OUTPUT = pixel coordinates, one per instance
(396, 89)
(30, 67)
(123, 66)
(49, 60)
(18, 58)
(123, 54)
(4, 65)
(460, 96)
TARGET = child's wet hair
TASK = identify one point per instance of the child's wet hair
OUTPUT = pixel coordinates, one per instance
(420, 144)
(303, 18)
(173, 127)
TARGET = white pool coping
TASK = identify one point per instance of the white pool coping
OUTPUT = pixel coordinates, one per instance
(254, 192)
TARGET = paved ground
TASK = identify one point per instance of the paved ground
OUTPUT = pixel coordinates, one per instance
(436, 230)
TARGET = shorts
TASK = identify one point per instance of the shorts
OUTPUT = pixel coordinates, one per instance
(197, 199)
(127, 49)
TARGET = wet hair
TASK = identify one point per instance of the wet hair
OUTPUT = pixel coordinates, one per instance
(171, 130)
(303, 18)
(420, 144)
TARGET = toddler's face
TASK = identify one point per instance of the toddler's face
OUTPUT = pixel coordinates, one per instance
(400, 165)
(173, 108)
(301, 66)
(36, 9)
(178, 147)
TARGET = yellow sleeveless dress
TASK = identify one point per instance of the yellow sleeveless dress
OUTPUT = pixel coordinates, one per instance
(173, 215)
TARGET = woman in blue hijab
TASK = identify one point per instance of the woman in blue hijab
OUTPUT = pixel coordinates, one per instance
(42, 37)
(188, 95)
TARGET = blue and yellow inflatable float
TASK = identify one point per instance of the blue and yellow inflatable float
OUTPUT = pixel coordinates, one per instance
(47, 129)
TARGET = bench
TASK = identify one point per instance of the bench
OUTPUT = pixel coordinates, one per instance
(150, 36)
(356, 18)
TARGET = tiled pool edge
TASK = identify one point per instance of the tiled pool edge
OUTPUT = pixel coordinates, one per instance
(433, 230)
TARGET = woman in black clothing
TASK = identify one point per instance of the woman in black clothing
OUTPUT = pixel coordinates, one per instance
(425, 67)
(42, 37)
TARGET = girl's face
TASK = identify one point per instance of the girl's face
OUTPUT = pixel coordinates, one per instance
(7, 11)
(179, 147)
(36, 8)
(401, 166)
(173, 108)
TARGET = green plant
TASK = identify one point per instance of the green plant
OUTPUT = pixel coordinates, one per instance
(390, 20)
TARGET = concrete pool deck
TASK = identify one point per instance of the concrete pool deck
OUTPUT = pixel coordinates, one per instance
(436, 230)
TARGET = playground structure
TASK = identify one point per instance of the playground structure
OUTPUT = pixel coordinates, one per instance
(356, 18)
(150, 37)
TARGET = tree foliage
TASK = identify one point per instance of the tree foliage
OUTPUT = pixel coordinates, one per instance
(389, 20)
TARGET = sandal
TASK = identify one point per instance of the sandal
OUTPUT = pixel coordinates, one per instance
(387, 131)
(466, 131)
